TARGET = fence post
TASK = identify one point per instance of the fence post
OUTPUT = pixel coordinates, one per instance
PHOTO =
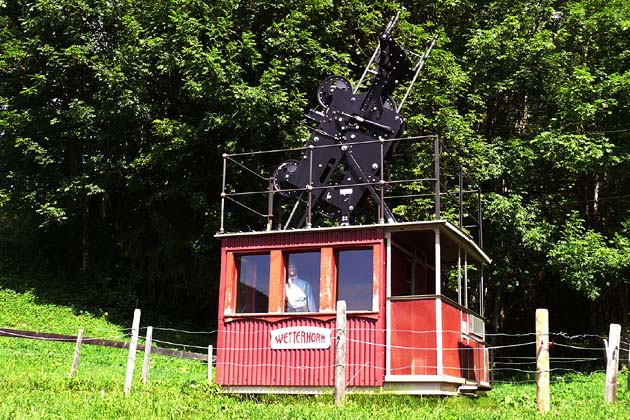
(210, 364)
(77, 352)
(340, 354)
(612, 362)
(147, 355)
(542, 360)
(131, 359)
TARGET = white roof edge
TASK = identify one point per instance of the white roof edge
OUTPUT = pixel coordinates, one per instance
(451, 230)
(461, 236)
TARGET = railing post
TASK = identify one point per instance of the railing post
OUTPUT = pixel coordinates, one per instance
(480, 217)
(436, 168)
(381, 216)
(221, 229)
(309, 187)
(270, 205)
(461, 196)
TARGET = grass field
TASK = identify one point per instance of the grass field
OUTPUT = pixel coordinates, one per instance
(34, 384)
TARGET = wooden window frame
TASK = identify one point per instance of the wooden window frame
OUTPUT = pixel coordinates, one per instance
(277, 270)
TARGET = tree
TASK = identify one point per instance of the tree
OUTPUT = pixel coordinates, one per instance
(114, 116)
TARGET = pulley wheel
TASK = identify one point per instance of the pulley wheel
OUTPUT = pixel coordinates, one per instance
(281, 178)
(328, 86)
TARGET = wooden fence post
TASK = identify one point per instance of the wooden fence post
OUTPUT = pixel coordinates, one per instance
(131, 359)
(147, 355)
(542, 360)
(210, 364)
(612, 362)
(77, 352)
(340, 354)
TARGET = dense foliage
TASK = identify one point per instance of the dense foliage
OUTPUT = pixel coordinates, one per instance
(114, 115)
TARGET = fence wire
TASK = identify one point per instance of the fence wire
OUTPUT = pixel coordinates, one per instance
(511, 357)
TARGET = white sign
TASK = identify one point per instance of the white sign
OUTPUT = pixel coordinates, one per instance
(300, 338)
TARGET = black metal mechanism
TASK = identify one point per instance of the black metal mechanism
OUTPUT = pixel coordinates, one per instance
(353, 134)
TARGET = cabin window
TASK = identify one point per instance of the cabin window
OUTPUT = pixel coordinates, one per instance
(355, 278)
(302, 281)
(253, 284)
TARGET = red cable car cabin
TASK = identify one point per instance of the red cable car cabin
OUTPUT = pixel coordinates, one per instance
(411, 288)
(410, 291)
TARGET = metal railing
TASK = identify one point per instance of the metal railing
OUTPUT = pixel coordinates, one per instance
(251, 187)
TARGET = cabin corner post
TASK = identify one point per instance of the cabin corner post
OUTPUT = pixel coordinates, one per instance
(388, 303)
(438, 305)
(459, 275)
(466, 279)
(482, 293)
(436, 162)
(221, 318)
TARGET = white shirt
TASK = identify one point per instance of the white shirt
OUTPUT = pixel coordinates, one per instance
(299, 294)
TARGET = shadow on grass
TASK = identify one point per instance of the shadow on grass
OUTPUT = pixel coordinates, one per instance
(114, 300)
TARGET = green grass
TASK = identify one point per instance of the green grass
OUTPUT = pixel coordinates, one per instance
(34, 384)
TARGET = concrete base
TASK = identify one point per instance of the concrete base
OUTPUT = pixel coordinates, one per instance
(403, 385)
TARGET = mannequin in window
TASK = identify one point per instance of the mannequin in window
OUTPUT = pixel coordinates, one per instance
(298, 292)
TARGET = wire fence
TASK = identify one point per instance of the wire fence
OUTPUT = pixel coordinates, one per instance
(574, 354)
(512, 357)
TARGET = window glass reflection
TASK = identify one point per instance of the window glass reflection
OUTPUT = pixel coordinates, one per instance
(355, 279)
(302, 282)
(253, 284)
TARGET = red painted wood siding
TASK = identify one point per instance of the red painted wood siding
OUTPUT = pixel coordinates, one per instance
(413, 337)
(463, 356)
(247, 359)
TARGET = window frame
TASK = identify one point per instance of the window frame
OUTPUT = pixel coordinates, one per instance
(328, 279)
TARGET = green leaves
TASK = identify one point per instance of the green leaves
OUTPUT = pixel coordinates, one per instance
(587, 261)
(33, 150)
(114, 115)
(575, 153)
